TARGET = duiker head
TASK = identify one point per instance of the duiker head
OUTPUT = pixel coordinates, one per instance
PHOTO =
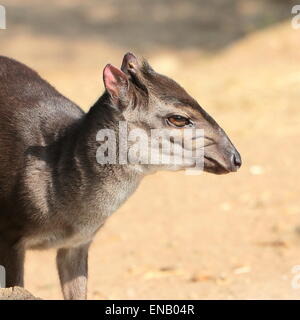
(150, 101)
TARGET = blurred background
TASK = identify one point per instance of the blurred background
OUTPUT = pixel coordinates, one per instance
(185, 237)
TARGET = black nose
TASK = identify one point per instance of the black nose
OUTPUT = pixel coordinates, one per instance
(236, 161)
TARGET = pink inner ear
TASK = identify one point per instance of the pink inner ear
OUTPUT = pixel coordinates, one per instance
(110, 80)
(114, 79)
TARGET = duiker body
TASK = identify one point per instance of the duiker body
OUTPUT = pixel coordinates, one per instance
(53, 193)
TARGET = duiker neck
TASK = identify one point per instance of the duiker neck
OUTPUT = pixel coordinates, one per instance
(81, 175)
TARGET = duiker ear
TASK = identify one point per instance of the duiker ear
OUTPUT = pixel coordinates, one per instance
(133, 67)
(115, 81)
(130, 64)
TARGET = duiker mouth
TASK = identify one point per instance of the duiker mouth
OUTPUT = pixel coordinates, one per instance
(222, 158)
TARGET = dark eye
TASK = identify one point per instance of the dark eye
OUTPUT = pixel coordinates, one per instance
(179, 121)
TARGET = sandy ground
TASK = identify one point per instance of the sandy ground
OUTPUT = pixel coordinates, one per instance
(187, 237)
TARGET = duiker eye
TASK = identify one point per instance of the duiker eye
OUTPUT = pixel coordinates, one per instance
(179, 121)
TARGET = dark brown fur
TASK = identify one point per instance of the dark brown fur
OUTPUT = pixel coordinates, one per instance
(53, 193)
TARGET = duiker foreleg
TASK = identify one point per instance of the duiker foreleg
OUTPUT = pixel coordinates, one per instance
(12, 259)
(72, 267)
